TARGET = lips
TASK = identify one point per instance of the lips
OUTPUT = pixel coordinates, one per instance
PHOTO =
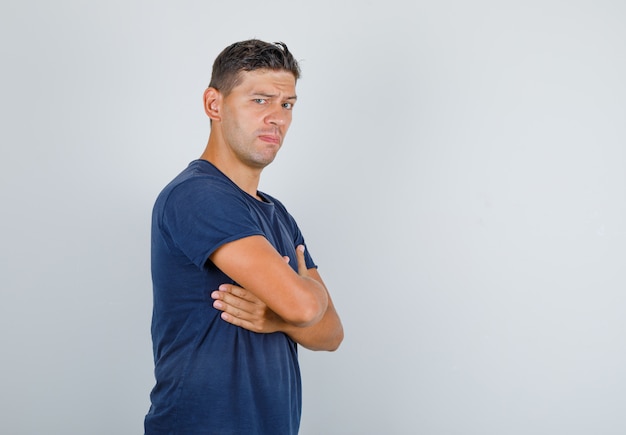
(270, 138)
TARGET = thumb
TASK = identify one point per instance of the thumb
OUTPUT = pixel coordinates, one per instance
(302, 269)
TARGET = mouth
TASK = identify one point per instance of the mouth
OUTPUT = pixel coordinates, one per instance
(270, 138)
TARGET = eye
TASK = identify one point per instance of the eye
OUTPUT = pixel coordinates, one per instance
(260, 100)
(288, 106)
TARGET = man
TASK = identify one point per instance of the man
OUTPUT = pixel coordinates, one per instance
(235, 290)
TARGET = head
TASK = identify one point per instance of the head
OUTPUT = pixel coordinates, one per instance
(249, 102)
(250, 55)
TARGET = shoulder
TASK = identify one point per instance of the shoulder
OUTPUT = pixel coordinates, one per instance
(200, 189)
(199, 179)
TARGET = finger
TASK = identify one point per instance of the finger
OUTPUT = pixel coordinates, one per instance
(231, 289)
(252, 321)
(302, 269)
(225, 301)
(229, 318)
(286, 258)
(235, 308)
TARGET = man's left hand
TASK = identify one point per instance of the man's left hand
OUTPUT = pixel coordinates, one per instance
(242, 308)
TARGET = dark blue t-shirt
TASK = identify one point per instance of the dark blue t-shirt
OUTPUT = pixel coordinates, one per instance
(213, 377)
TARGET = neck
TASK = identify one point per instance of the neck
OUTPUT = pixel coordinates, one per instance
(245, 177)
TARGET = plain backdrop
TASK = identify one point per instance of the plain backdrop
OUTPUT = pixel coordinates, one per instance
(458, 169)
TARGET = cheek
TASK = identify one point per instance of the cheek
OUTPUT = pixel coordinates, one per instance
(288, 120)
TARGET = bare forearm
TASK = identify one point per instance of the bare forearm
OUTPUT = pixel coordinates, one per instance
(256, 265)
(327, 334)
(313, 299)
(323, 330)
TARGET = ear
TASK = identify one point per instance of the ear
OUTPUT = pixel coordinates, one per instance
(212, 103)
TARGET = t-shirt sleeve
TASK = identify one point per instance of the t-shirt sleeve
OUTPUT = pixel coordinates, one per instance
(298, 238)
(203, 214)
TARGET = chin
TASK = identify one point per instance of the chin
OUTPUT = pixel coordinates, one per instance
(262, 161)
(260, 164)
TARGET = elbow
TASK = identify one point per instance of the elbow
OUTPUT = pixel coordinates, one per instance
(307, 315)
(309, 306)
(330, 342)
(336, 341)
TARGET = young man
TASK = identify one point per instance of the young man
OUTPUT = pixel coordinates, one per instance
(235, 290)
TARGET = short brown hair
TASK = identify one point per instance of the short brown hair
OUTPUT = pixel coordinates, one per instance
(250, 55)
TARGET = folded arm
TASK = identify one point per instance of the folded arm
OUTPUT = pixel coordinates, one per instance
(243, 308)
(298, 299)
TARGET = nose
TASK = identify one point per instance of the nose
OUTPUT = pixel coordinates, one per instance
(277, 116)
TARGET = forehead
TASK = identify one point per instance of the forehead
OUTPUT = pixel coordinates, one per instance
(265, 80)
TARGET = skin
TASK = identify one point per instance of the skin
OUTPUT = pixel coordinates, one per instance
(241, 308)
(247, 131)
(249, 124)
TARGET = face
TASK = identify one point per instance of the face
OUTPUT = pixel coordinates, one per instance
(256, 115)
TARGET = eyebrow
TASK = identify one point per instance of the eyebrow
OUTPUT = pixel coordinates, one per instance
(261, 94)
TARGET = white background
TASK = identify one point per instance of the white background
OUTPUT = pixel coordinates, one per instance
(458, 169)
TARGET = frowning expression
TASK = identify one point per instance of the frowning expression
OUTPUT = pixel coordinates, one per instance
(256, 115)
